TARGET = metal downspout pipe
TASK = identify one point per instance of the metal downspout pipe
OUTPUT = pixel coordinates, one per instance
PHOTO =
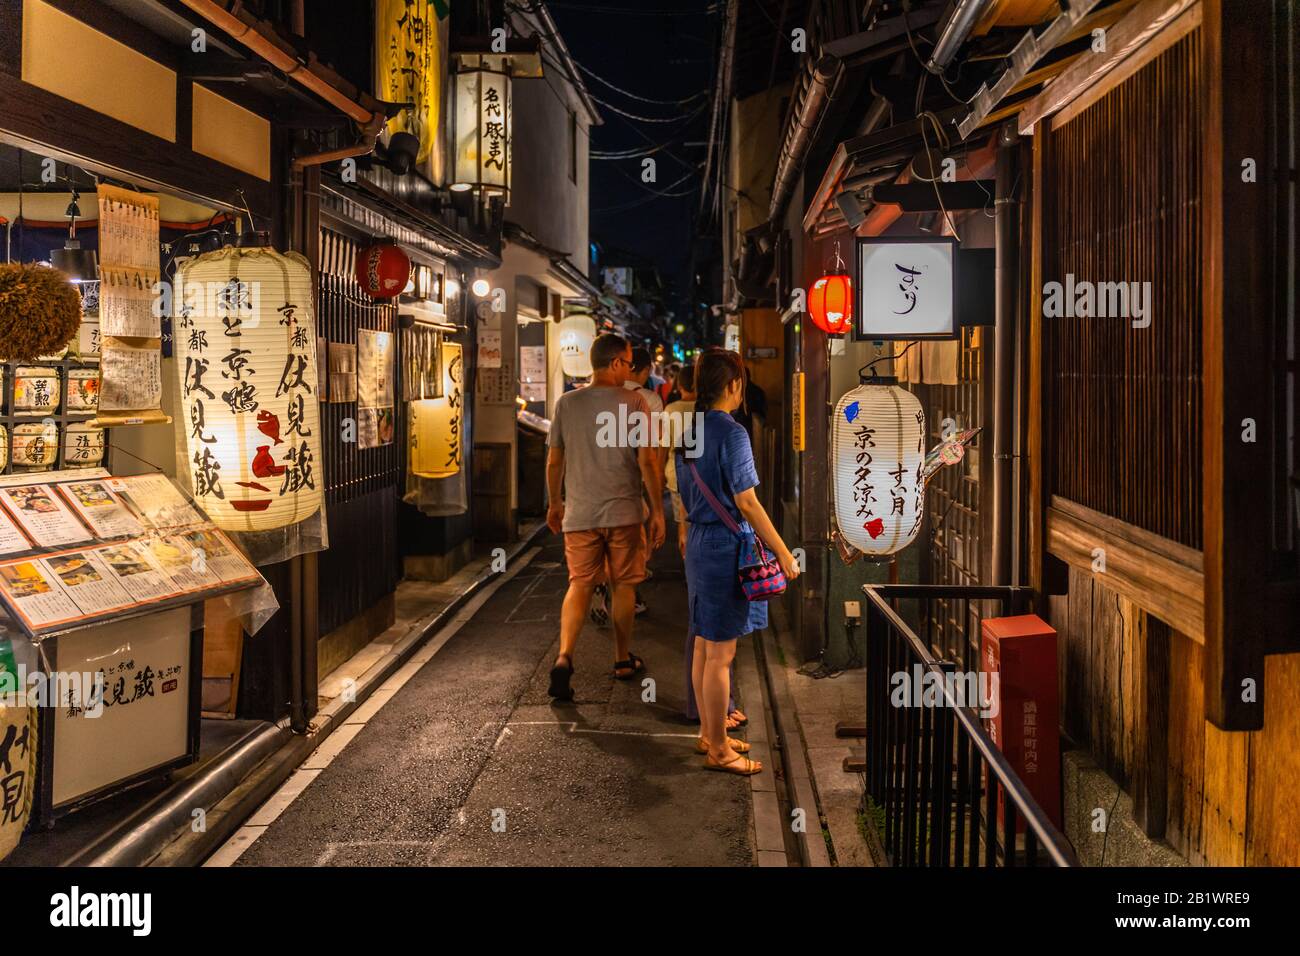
(955, 31)
(1005, 519)
(820, 91)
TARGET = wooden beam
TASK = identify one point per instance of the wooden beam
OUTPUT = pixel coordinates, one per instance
(1237, 339)
(1034, 450)
(39, 121)
(1179, 27)
(1123, 40)
(1160, 576)
(1150, 759)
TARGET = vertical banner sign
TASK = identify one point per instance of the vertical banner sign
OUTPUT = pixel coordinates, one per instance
(797, 411)
(410, 58)
(532, 372)
(437, 423)
(246, 360)
(374, 388)
(130, 329)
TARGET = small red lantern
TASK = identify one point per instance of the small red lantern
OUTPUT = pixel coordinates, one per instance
(383, 270)
(830, 303)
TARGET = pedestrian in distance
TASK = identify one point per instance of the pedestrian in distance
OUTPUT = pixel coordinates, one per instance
(605, 496)
(637, 382)
(722, 479)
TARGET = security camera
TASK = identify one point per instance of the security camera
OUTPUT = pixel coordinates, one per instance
(403, 148)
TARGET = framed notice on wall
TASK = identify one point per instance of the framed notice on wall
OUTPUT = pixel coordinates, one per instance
(906, 288)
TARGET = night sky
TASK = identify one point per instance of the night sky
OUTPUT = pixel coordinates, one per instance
(661, 50)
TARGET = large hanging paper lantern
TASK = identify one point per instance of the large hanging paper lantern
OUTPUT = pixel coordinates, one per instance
(483, 132)
(577, 332)
(438, 424)
(830, 303)
(246, 360)
(878, 441)
(383, 270)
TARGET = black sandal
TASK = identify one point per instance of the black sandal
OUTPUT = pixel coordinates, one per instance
(560, 688)
(633, 664)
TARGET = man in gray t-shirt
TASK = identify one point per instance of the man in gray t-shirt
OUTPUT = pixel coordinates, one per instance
(601, 453)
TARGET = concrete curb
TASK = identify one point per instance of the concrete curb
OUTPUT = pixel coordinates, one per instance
(240, 781)
(770, 846)
(798, 777)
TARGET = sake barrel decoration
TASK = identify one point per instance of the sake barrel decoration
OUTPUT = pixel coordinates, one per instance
(4, 448)
(83, 445)
(83, 389)
(878, 450)
(246, 360)
(36, 446)
(437, 424)
(577, 332)
(36, 390)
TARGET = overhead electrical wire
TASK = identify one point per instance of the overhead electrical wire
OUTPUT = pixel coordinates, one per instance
(618, 11)
(685, 117)
(636, 96)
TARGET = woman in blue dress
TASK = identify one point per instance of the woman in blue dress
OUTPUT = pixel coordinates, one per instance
(719, 610)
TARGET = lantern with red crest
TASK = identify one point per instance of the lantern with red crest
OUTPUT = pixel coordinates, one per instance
(830, 301)
(383, 270)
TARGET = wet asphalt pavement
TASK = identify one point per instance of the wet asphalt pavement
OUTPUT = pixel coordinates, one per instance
(469, 763)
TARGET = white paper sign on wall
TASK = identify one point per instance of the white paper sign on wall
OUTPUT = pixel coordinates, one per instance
(906, 288)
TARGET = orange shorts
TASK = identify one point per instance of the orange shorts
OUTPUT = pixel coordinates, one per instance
(617, 555)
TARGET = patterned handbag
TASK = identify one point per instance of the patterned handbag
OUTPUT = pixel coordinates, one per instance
(759, 572)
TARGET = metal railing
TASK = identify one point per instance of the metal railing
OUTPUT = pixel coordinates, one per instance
(941, 791)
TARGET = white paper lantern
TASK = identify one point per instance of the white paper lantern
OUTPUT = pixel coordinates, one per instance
(484, 132)
(438, 424)
(246, 361)
(577, 332)
(878, 441)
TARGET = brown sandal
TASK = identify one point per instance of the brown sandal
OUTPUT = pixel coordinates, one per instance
(739, 746)
(748, 770)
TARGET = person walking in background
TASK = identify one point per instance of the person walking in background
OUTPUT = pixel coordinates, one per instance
(753, 406)
(638, 380)
(719, 611)
(677, 416)
(669, 391)
(598, 498)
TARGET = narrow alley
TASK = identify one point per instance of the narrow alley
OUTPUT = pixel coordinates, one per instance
(465, 761)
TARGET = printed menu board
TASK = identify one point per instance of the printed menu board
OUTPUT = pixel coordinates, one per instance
(155, 501)
(106, 515)
(81, 585)
(106, 545)
(12, 541)
(131, 563)
(41, 513)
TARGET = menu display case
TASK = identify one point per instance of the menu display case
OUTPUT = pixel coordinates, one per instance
(107, 576)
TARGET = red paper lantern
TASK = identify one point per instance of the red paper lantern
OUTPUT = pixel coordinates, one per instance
(830, 303)
(383, 270)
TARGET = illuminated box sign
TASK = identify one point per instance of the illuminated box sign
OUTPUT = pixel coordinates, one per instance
(907, 288)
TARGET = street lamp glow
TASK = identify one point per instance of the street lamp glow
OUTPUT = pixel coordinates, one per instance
(679, 328)
(480, 288)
